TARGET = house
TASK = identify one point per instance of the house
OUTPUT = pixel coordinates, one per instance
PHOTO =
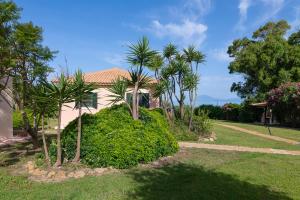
(6, 124)
(100, 99)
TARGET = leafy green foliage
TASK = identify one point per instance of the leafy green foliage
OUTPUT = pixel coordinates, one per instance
(202, 125)
(81, 89)
(8, 17)
(214, 112)
(266, 60)
(285, 100)
(18, 120)
(181, 131)
(233, 112)
(140, 54)
(112, 138)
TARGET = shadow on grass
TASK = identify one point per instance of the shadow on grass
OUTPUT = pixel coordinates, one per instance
(188, 182)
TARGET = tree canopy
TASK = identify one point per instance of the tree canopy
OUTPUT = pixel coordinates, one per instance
(265, 60)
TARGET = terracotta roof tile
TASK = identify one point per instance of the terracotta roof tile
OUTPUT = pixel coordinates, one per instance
(106, 77)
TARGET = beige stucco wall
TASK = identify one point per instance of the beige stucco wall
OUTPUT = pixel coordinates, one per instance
(6, 126)
(69, 113)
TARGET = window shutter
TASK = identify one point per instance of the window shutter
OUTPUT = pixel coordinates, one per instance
(95, 100)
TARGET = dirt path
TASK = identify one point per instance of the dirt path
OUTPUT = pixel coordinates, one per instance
(271, 137)
(237, 148)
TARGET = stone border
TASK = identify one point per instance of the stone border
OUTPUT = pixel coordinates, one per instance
(60, 174)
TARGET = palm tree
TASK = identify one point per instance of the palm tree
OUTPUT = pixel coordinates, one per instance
(181, 69)
(192, 55)
(118, 92)
(199, 58)
(60, 92)
(139, 55)
(156, 64)
(42, 107)
(120, 86)
(191, 81)
(189, 54)
(169, 51)
(81, 91)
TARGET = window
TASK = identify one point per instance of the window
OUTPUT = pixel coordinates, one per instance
(91, 101)
(143, 99)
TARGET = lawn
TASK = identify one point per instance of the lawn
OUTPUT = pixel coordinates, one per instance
(196, 174)
(289, 133)
(228, 136)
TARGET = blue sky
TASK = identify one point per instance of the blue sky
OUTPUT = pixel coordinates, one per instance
(94, 35)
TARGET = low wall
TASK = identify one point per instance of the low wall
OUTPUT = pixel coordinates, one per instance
(6, 124)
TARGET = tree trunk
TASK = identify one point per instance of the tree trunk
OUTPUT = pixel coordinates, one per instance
(167, 114)
(58, 154)
(181, 109)
(172, 105)
(47, 157)
(32, 132)
(134, 102)
(191, 109)
(77, 156)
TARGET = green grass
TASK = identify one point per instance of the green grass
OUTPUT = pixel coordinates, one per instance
(199, 174)
(228, 136)
(289, 133)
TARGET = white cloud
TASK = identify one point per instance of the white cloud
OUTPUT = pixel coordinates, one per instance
(273, 7)
(243, 11)
(187, 32)
(196, 8)
(295, 24)
(270, 10)
(220, 55)
(114, 59)
(185, 27)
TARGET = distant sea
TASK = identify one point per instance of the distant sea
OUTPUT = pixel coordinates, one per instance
(205, 99)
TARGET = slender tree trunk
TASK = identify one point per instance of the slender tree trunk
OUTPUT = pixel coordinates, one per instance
(181, 104)
(137, 103)
(134, 102)
(191, 97)
(58, 155)
(164, 105)
(32, 132)
(172, 104)
(77, 156)
(47, 157)
(181, 109)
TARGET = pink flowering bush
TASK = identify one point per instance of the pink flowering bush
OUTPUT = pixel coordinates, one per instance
(285, 101)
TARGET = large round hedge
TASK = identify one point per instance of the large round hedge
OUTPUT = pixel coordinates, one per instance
(112, 138)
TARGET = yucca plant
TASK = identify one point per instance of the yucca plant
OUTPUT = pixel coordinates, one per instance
(42, 108)
(140, 56)
(81, 91)
(138, 80)
(118, 92)
(60, 92)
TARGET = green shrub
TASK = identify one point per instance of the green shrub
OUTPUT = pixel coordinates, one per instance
(112, 138)
(285, 102)
(18, 119)
(202, 125)
(181, 131)
(214, 112)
